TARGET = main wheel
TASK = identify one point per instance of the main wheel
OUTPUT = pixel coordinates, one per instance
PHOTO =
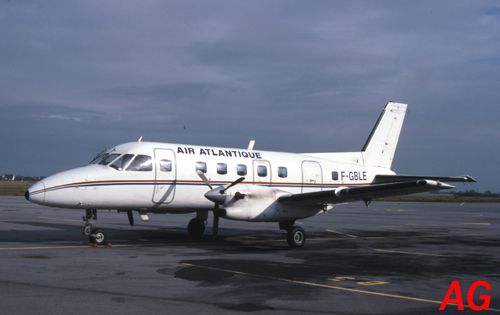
(196, 228)
(296, 237)
(98, 237)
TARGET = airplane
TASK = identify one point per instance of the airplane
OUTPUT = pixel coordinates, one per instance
(237, 184)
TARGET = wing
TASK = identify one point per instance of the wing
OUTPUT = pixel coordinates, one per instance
(400, 185)
(381, 179)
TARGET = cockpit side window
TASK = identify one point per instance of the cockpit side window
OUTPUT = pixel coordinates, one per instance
(141, 163)
(122, 162)
(108, 158)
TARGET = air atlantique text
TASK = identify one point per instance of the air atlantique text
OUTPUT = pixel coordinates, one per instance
(217, 152)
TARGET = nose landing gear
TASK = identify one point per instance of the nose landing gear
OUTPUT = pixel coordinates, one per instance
(95, 235)
(98, 237)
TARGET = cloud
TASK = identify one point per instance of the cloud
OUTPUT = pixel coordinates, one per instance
(492, 11)
(297, 76)
(61, 117)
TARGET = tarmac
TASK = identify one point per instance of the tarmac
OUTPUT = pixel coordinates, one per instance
(390, 258)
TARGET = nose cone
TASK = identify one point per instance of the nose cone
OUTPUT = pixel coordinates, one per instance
(36, 193)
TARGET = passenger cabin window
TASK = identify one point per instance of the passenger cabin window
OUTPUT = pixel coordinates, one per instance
(335, 175)
(165, 166)
(141, 163)
(261, 171)
(108, 159)
(241, 169)
(221, 168)
(122, 162)
(282, 172)
(201, 166)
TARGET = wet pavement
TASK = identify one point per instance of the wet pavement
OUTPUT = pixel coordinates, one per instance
(392, 258)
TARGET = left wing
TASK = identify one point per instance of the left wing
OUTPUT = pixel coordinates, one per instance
(382, 179)
(366, 193)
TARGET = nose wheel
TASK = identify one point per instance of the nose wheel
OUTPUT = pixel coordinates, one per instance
(98, 236)
(95, 235)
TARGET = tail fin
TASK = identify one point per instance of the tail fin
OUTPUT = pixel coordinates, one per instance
(381, 145)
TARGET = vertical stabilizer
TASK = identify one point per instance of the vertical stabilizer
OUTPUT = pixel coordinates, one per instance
(381, 145)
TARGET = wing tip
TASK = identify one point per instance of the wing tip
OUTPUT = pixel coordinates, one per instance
(469, 179)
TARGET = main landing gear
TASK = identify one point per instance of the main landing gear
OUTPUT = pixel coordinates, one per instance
(95, 235)
(295, 235)
(196, 226)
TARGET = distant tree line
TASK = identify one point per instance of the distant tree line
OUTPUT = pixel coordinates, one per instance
(474, 193)
(12, 177)
(465, 193)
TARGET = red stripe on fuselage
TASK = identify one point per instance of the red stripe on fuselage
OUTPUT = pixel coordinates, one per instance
(156, 182)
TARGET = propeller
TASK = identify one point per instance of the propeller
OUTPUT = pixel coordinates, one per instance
(217, 196)
(236, 182)
(130, 216)
(204, 178)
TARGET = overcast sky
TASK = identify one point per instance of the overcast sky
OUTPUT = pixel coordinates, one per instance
(79, 76)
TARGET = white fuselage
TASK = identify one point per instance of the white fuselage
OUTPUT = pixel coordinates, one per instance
(172, 184)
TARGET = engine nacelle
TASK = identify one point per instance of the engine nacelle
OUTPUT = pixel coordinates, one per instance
(255, 203)
(260, 204)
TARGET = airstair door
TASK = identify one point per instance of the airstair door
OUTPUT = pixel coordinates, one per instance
(165, 176)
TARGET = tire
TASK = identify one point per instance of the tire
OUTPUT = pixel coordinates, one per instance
(87, 230)
(196, 228)
(98, 237)
(296, 237)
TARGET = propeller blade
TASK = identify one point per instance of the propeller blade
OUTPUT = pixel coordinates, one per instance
(204, 178)
(215, 227)
(236, 182)
(130, 216)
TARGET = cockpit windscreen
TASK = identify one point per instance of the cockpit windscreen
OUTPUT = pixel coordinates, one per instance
(141, 163)
(108, 158)
(122, 162)
(98, 157)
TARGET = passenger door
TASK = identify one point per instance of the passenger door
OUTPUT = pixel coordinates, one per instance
(312, 177)
(165, 176)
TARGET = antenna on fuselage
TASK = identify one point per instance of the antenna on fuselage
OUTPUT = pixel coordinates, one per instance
(251, 145)
(140, 139)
